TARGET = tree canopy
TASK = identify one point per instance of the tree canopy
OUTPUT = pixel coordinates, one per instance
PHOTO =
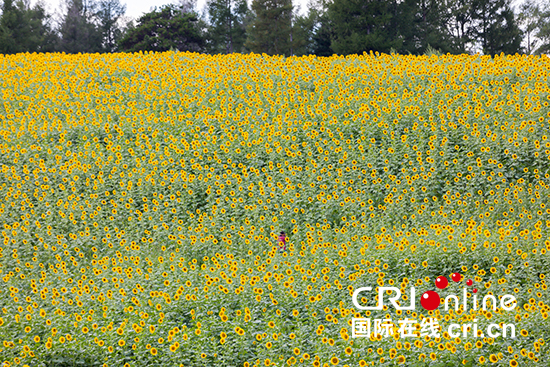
(276, 27)
(164, 29)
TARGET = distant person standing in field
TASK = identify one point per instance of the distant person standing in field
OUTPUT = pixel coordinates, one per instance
(282, 241)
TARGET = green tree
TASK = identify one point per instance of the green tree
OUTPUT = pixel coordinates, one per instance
(302, 35)
(458, 22)
(227, 28)
(364, 25)
(271, 26)
(543, 33)
(78, 31)
(528, 20)
(165, 29)
(305, 27)
(322, 37)
(25, 29)
(421, 26)
(45, 36)
(108, 15)
(311, 33)
(495, 27)
(323, 32)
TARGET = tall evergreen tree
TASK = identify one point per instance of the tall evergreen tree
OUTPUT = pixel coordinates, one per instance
(421, 25)
(494, 27)
(322, 37)
(43, 30)
(528, 20)
(323, 31)
(544, 30)
(270, 30)
(25, 29)
(164, 29)
(78, 31)
(108, 15)
(9, 22)
(303, 29)
(457, 18)
(311, 32)
(227, 28)
(364, 25)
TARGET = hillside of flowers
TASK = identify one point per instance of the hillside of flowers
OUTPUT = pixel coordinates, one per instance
(141, 196)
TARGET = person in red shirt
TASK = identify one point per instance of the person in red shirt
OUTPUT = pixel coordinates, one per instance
(282, 241)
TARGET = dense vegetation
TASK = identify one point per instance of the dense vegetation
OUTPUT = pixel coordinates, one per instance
(279, 27)
(141, 196)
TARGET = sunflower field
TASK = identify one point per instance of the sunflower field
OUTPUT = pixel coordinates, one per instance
(141, 196)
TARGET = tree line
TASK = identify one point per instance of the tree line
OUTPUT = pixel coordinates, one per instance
(275, 27)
